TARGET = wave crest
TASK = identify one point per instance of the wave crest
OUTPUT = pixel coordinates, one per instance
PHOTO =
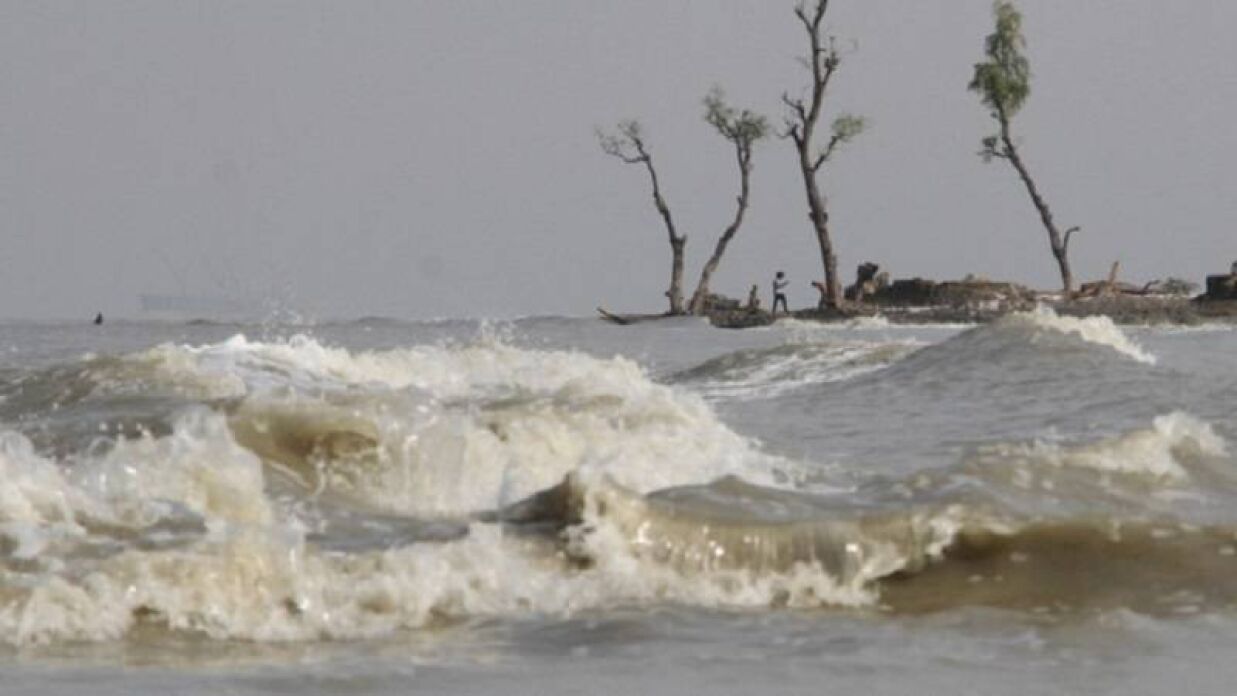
(1098, 330)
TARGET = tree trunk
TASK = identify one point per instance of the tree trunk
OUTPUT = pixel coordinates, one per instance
(819, 216)
(832, 283)
(1059, 244)
(675, 293)
(677, 242)
(706, 274)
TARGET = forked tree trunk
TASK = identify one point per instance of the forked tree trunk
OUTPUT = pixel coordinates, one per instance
(1059, 243)
(701, 295)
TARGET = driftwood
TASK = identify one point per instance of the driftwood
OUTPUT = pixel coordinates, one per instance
(1112, 287)
(625, 319)
(629, 319)
(1101, 287)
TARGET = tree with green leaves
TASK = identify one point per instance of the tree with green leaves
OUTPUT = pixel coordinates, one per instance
(1003, 82)
(628, 144)
(743, 129)
(802, 123)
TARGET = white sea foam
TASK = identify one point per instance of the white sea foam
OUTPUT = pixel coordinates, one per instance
(198, 468)
(1163, 451)
(772, 372)
(258, 579)
(69, 568)
(1099, 330)
(34, 489)
(455, 429)
(264, 586)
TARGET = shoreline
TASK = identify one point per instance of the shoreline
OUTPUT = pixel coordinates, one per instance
(1122, 310)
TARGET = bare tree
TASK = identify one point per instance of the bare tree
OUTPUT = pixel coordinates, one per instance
(628, 145)
(1003, 82)
(743, 129)
(823, 61)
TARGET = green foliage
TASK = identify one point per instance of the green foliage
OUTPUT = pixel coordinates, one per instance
(848, 126)
(740, 127)
(1003, 81)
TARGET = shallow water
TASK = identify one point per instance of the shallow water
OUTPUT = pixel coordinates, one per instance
(549, 505)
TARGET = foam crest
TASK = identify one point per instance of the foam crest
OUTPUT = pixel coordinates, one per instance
(771, 372)
(260, 586)
(720, 555)
(1165, 450)
(446, 430)
(197, 473)
(398, 453)
(34, 489)
(198, 466)
(445, 371)
(254, 576)
(1099, 330)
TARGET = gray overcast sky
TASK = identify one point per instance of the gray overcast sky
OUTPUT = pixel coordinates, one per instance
(424, 159)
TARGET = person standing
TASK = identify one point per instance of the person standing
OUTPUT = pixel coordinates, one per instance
(779, 286)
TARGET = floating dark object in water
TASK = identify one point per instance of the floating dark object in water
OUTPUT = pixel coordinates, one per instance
(98, 318)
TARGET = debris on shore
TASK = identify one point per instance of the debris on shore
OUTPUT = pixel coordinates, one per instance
(979, 300)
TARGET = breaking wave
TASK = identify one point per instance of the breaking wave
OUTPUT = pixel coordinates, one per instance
(1030, 345)
(1099, 330)
(205, 532)
(426, 430)
(1166, 450)
(771, 372)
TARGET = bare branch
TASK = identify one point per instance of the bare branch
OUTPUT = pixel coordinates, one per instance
(830, 60)
(1069, 234)
(826, 154)
(795, 105)
(792, 132)
(627, 144)
(801, 13)
(812, 24)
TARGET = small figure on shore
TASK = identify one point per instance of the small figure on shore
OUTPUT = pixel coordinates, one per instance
(753, 299)
(1233, 271)
(98, 319)
(779, 283)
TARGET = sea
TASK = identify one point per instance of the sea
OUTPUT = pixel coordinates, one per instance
(546, 505)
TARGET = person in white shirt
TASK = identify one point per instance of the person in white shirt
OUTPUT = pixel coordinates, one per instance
(779, 284)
